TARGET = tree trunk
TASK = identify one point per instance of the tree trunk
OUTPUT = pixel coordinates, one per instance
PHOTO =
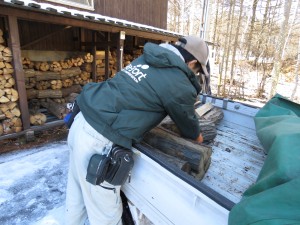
(279, 48)
(230, 21)
(235, 45)
(254, 6)
(296, 73)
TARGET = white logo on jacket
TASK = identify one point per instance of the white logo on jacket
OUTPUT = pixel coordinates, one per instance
(135, 71)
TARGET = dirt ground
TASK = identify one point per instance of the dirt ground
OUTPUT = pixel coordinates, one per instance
(41, 138)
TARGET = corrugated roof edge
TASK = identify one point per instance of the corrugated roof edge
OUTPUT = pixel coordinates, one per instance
(84, 15)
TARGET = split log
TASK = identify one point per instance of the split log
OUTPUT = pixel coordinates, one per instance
(66, 64)
(10, 94)
(77, 61)
(56, 84)
(67, 82)
(88, 58)
(198, 155)
(10, 110)
(13, 125)
(57, 109)
(42, 85)
(25, 62)
(38, 119)
(6, 81)
(210, 112)
(55, 66)
(30, 83)
(59, 93)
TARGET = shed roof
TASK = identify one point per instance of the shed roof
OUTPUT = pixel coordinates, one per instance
(87, 16)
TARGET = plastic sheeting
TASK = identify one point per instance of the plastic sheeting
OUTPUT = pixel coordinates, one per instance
(275, 197)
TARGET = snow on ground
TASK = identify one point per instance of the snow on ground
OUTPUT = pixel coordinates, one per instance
(33, 185)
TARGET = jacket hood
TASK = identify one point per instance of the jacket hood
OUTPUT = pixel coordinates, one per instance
(158, 56)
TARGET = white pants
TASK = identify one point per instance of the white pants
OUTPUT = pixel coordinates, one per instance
(100, 205)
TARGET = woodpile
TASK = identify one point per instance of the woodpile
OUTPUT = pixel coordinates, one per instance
(10, 121)
(100, 62)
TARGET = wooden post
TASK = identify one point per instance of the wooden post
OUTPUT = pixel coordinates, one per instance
(82, 38)
(120, 48)
(107, 49)
(14, 43)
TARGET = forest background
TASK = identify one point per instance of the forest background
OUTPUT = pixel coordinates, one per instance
(254, 44)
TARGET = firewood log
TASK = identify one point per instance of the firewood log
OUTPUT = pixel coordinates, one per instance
(181, 164)
(44, 66)
(42, 85)
(55, 66)
(6, 81)
(57, 109)
(208, 128)
(10, 95)
(85, 75)
(198, 155)
(77, 61)
(12, 125)
(30, 83)
(10, 110)
(88, 58)
(49, 93)
(26, 62)
(210, 112)
(56, 84)
(66, 64)
(86, 67)
(38, 119)
(67, 82)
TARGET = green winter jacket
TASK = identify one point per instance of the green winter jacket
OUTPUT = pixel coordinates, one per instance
(138, 98)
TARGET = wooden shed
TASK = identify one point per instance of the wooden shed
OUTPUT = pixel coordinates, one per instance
(49, 50)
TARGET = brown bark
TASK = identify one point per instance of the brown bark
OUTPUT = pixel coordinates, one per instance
(57, 109)
(59, 93)
(198, 155)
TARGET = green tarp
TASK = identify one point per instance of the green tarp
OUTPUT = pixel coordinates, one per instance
(275, 197)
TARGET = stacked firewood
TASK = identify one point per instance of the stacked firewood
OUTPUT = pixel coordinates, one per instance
(10, 121)
(100, 62)
(51, 82)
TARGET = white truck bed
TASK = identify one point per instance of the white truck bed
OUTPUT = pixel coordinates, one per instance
(169, 196)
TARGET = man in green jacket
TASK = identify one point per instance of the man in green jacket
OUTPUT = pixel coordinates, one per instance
(121, 110)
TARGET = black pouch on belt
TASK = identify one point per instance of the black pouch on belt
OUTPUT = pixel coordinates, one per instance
(120, 166)
(97, 169)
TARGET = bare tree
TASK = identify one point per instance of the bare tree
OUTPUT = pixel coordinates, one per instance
(279, 47)
(296, 73)
(235, 44)
(254, 6)
(232, 6)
